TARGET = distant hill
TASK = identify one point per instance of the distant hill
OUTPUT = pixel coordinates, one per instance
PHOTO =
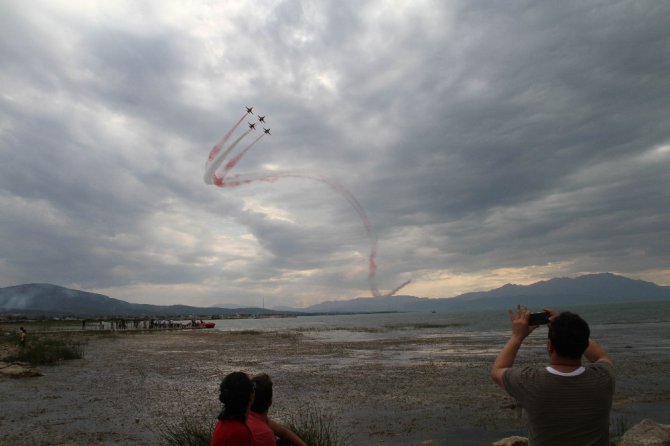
(559, 293)
(40, 299)
(52, 300)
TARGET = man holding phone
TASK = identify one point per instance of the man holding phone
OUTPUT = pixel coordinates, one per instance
(565, 402)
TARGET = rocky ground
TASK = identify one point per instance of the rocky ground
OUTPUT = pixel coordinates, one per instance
(381, 392)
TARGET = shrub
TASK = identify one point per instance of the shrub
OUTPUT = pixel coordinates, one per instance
(618, 427)
(45, 351)
(190, 430)
(316, 427)
(9, 338)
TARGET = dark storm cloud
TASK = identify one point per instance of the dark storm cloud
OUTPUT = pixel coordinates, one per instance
(477, 137)
(591, 91)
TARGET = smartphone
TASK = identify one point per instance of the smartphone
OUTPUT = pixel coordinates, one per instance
(538, 318)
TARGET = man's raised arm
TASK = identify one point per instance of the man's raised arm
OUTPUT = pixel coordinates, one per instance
(507, 355)
(595, 353)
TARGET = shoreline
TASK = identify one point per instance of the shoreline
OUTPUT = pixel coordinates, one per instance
(381, 391)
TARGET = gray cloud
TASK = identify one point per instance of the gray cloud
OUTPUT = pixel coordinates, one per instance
(515, 141)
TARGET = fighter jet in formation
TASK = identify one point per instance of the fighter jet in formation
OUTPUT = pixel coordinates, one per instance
(250, 111)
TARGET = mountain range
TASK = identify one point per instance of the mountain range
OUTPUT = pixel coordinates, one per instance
(52, 300)
(41, 299)
(559, 293)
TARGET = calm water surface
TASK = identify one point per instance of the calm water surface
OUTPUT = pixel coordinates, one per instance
(642, 326)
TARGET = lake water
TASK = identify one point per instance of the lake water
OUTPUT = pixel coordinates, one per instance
(618, 327)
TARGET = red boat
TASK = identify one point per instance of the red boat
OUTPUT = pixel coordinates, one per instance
(205, 324)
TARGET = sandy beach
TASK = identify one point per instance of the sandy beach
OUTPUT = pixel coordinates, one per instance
(418, 390)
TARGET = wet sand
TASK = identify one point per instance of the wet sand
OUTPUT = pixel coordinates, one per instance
(423, 390)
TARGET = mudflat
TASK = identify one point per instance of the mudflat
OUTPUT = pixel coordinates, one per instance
(417, 390)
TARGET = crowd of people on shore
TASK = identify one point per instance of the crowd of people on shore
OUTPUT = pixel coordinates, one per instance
(566, 402)
(140, 324)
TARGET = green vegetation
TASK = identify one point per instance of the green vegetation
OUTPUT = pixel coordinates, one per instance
(314, 426)
(317, 427)
(46, 350)
(41, 325)
(7, 337)
(618, 427)
(190, 430)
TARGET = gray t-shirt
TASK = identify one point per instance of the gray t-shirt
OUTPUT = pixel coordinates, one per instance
(564, 409)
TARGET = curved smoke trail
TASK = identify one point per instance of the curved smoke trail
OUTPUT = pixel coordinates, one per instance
(217, 176)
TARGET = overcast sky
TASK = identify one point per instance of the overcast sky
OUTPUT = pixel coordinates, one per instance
(486, 142)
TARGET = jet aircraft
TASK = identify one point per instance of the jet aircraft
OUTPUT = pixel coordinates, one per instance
(250, 110)
(267, 131)
(261, 118)
(252, 126)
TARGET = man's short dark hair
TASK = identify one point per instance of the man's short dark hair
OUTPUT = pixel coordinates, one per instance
(569, 334)
(263, 398)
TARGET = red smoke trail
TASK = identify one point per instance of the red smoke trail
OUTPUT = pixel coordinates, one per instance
(401, 286)
(240, 180)
(217, 147)
(212, 176)
(212, 166)
(232, 163)
(217, 179)
(372, 260)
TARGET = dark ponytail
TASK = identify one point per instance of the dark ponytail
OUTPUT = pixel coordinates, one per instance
(235, 393)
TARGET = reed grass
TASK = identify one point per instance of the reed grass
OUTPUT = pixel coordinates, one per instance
(48, 351)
